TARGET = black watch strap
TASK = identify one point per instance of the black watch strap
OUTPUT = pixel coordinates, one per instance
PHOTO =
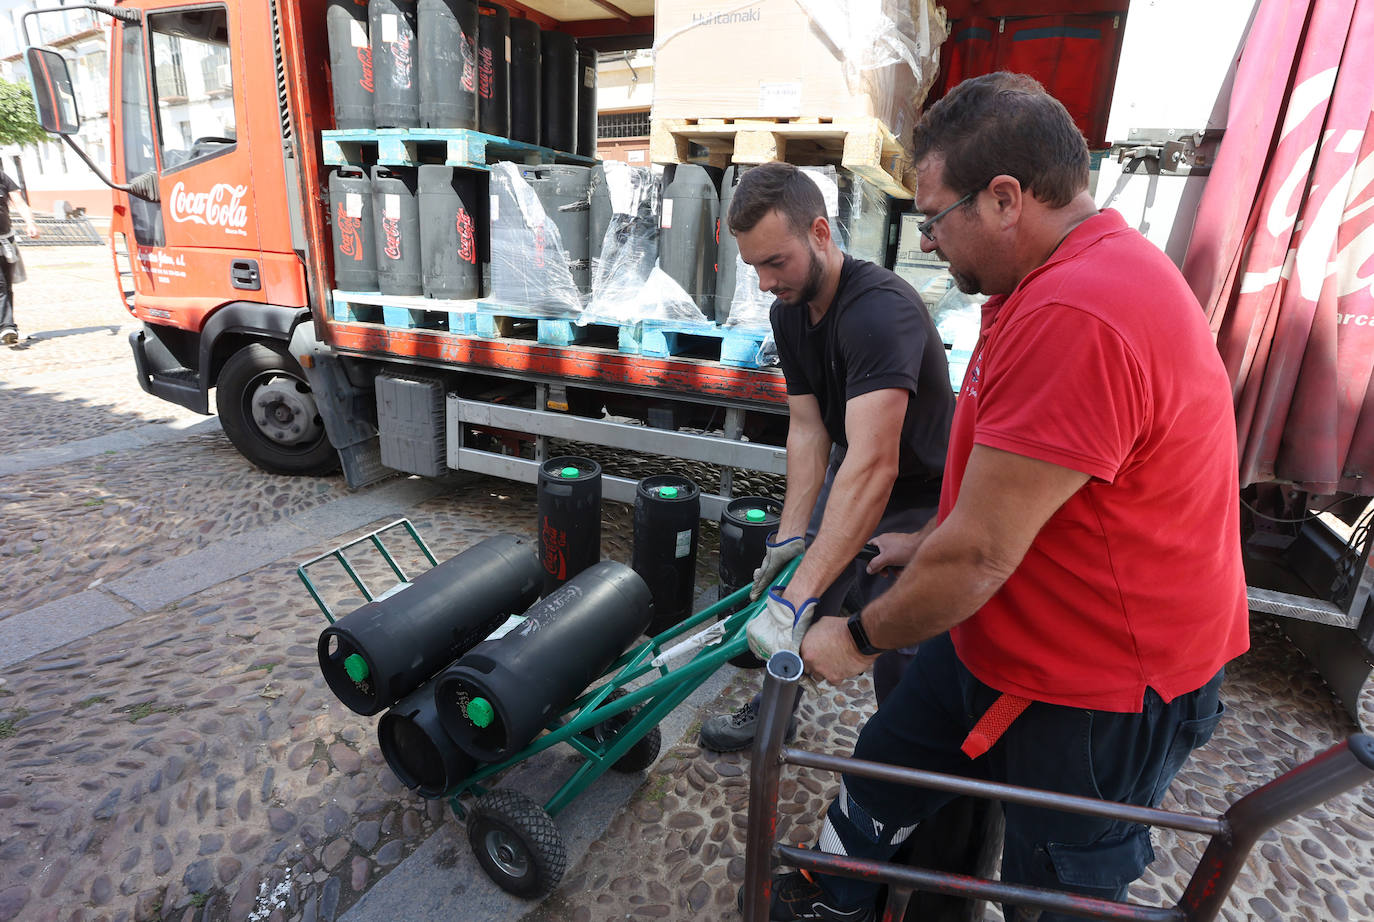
(856, 630)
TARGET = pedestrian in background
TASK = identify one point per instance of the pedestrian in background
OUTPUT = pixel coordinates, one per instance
(11, 264)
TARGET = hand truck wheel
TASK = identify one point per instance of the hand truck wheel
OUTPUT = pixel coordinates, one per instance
(517, 843)
(639, 756)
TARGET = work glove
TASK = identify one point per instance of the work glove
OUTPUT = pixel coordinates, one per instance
(775, 557)
(779, 626)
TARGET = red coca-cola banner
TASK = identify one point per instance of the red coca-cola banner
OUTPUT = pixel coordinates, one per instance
(1282, 253)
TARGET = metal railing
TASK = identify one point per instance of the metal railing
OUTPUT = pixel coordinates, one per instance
(60, 232)
(1232, 834)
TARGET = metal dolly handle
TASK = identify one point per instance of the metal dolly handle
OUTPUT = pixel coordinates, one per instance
(1233, 834)
(339, 554)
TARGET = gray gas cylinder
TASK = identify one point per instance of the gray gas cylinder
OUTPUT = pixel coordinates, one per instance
(687, 234)
(599, 216)
(564, 192)
(493, 69)
(586, 102)
(524, 80)
(729, 247)
(350, 63)
(396, 217)
(558, 91)
(451, 236)
(448, 63)
(355, 234)
(391, 26)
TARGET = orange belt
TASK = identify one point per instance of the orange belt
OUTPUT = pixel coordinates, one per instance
(994, 722)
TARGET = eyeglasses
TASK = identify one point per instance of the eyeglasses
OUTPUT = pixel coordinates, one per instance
(927, 227)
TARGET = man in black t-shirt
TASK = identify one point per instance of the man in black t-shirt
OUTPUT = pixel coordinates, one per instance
(9, 255)
(869, 403)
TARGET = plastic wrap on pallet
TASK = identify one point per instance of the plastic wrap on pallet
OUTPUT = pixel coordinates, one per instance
(749, 307)
(627, 285)
(958, 317)
(864, 211)
(873, 35)
(529, 270)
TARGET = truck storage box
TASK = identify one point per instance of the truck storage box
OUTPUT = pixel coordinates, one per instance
(790, 58)
(410, 420)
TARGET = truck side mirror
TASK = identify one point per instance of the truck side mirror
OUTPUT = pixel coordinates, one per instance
(52, 91)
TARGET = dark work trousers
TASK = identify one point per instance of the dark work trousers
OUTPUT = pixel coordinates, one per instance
(1130, 758)
(898, 516)
(6, 296)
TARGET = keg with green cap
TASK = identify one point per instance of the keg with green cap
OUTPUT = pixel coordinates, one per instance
(502, 692)
(381, 652)
(667, 527)
(745, 524)
(568, 495)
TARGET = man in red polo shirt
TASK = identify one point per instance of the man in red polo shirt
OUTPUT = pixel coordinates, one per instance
(1081, 588)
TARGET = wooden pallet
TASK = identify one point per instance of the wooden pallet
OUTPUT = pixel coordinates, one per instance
(451, 147)
(864, 146)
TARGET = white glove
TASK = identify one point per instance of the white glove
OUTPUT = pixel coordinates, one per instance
(779, 626)
(775, 557)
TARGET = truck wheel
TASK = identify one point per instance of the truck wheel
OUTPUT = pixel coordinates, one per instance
(269, 414)
(517, 843)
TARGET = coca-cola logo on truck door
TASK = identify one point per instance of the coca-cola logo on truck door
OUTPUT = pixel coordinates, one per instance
(220, 207)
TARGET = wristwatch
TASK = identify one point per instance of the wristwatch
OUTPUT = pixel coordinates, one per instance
(856, 631)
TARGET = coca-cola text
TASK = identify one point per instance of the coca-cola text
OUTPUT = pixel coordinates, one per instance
(467, 244)
(365, 58)
(391, 230)
(400, 61)
(222, 206)
(350, 234)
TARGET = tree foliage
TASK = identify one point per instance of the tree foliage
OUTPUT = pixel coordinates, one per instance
(18, 121)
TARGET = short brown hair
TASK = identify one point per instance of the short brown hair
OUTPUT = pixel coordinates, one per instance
(1005, 123)
(777, 187)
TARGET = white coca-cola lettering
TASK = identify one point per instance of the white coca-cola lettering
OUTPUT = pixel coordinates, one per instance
(391, 230)
(400, 58)
(1333, 209)
(222, 206)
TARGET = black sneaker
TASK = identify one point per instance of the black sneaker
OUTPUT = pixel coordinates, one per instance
(796, 897)
(733, 732)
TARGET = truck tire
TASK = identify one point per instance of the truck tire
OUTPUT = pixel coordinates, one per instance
(269, 414)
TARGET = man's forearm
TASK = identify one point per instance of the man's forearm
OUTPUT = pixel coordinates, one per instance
(806, 465)
(947, 581)
(852, 511)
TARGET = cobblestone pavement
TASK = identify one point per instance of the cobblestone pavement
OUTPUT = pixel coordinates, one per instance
(189, 763)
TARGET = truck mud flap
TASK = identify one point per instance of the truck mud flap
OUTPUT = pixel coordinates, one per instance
(341, 404)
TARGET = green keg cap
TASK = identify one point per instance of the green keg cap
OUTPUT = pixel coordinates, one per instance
(755, 515)
(668, 492)
(356, 667)
(480, 712)
(568, 473)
